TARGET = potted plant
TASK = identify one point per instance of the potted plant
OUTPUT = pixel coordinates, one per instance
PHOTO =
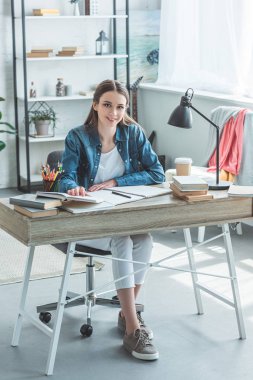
(42, 118)
(12, 131)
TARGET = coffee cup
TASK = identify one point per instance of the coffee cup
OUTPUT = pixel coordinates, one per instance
(183, 165)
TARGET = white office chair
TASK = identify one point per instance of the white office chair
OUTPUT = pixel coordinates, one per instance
(91, 299)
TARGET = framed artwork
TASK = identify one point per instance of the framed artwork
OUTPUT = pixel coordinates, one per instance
(144, 30)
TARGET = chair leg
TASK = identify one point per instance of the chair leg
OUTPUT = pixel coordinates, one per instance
(86, 329)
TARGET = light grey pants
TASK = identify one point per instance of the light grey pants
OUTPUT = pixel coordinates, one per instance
(133, 247)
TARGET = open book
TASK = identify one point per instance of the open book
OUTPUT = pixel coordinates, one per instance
(89, 197)
(115, 196)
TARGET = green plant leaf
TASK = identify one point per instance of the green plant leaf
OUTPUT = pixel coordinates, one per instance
(8, 125)
(2, 145)
(1, 99)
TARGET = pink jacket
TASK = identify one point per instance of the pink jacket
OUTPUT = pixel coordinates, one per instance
(230, 145)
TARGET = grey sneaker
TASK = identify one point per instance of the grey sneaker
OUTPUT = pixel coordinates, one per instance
(140, 346)
(122, 325)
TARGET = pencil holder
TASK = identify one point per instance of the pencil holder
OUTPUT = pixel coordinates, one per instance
(50, 185)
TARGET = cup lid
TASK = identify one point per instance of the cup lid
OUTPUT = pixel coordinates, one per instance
(183, 160)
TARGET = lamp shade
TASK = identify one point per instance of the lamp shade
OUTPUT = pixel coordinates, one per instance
(181, 116)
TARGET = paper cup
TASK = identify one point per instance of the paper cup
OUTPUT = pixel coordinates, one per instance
(183, 165)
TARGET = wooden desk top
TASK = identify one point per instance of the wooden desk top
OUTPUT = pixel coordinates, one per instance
(163, 212)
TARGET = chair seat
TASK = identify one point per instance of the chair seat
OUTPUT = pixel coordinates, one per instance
(82, 248)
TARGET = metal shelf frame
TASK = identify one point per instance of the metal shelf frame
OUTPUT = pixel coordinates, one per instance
(24, 19)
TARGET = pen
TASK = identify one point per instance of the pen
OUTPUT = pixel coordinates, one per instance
(121, 195)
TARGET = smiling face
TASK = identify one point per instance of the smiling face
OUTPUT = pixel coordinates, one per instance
(110, 109)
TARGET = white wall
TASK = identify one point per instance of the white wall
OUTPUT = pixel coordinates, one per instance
(154, 109)
(8, 155)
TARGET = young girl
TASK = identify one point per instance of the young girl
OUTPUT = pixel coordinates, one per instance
(109, 150)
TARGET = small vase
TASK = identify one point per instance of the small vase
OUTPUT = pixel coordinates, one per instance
(76, 10)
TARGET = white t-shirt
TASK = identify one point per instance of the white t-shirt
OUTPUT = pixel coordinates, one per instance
(110, 166)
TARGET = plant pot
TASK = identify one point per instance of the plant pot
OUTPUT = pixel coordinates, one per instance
(42, 127)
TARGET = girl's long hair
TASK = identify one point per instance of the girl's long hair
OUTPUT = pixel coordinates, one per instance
(103, 87)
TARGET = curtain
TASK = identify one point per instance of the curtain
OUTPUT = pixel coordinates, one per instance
(207, 45)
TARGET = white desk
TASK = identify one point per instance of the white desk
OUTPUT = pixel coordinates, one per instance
(164, 212)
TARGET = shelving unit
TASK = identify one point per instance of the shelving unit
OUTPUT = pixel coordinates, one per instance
(81, 72)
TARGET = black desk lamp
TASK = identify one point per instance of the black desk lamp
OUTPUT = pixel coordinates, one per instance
(182, 117)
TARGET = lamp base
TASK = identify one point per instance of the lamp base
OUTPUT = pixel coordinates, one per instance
(222, 185)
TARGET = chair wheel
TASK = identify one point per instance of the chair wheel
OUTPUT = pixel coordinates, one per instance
(86, 330)
(45, 316)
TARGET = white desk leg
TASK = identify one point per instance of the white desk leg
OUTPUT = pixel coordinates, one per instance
(18, 325)
(60, 309)
(188, 243)
(234, 283)
(201, 234)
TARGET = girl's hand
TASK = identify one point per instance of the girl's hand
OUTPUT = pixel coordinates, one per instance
(103, 185)
(79, 190)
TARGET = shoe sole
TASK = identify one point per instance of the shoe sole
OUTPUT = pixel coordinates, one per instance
(139, 356)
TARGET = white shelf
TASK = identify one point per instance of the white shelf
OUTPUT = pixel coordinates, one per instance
(75, 17)
(34, 140)
(81, 57)
(57, 98)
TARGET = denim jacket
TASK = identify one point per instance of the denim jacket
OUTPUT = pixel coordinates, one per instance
(83, 150)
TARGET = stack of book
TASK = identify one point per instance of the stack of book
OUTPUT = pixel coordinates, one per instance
(35, 207)
(46, 12)
(40, 53)
(190, 188)
(45, 203)
(71, 51)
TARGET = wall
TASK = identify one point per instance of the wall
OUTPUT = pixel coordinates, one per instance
(154, 108)
(8, 155)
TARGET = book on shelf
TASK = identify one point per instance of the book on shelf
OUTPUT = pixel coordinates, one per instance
(179, 192)
(42, 50)
(190, 183)
(89, 198)
(31, 200)
(46, 12)
(41, 54)
(73, 48)
(240, 191)
(34, 212)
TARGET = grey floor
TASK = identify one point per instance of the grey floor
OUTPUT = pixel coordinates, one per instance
(191, 346)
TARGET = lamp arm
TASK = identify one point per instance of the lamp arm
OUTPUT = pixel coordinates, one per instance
(206, 118)
(217, 142)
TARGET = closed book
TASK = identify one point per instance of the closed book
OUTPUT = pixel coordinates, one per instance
(194, 198)
(31, 200)
(34, 212)
(190, 183)
(176, 190)
(240, 191)
(38, 55)
(49, 50)
(46, 10)
(73, 48)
